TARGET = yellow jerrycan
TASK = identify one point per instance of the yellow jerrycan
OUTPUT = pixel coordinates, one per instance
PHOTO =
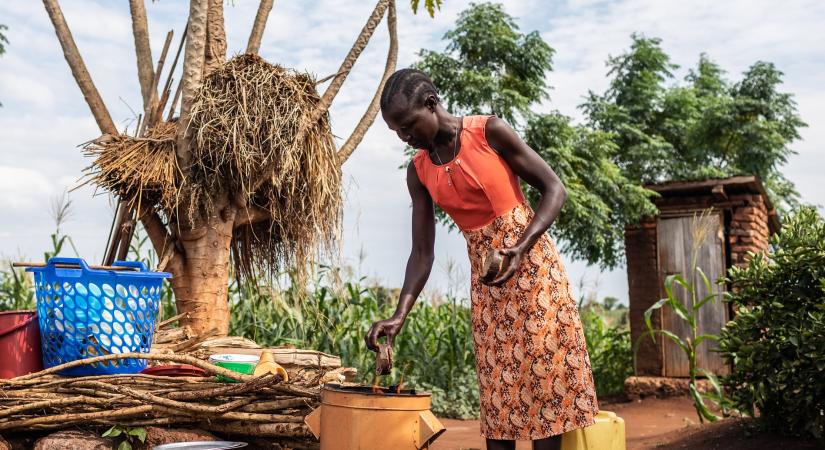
(606, 434)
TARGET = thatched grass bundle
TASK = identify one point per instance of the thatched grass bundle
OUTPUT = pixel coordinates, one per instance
(246, 117)
(137, 169)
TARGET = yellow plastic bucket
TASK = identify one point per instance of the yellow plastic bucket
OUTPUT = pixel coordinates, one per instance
(606, 434)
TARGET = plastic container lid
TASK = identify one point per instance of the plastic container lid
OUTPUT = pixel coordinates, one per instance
(234, 358)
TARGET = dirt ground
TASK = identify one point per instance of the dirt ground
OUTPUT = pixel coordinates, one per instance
(660, 424)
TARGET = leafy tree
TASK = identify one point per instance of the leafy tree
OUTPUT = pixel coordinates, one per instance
(600, 198)
(490, 67)
(707, 127)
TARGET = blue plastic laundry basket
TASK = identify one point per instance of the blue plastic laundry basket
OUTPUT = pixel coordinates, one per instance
(85, 313)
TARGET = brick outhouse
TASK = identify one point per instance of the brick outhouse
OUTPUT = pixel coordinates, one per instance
(740, 220)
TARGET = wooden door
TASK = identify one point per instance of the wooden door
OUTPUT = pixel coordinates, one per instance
(675, 243)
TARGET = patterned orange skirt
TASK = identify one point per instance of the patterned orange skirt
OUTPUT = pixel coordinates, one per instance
(533, 369)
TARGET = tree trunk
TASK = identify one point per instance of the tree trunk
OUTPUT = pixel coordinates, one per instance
(191, 78)
(215, 37)
(201, 280)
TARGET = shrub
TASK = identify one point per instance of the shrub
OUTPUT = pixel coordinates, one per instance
(608, 346)
(776, 339)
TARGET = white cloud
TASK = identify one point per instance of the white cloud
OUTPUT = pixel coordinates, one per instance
(21, 189)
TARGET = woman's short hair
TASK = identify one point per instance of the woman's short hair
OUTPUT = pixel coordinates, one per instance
(413, 84)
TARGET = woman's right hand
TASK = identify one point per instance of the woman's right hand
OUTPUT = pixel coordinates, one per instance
(387, 327)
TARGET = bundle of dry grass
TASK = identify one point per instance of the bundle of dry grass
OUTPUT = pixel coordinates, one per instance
(246, 117)
(137, 169)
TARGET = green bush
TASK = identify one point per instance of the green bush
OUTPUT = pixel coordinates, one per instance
(608, 346)
(16, 289)
(776, 340)
(433, 351)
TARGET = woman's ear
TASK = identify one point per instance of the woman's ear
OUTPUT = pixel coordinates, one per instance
(430, 102)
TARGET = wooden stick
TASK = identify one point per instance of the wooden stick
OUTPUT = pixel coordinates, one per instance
(261, 429)
(81, 399)
(168, 85)
(171, 319)
(151, 120)
(72, 266)
(233, 389)
(61, 420)
(114, 233)
(275, 405)
(174, 404)
(151, 356)
(174, 102)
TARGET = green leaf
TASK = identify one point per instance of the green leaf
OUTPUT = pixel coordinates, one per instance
(714, 380)
(125, 445)
(702, 302)
(699, 404)
(704, 337)
(649, 311)
(114, 431)
(139, 432)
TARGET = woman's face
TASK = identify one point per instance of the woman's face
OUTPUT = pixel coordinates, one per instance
(415, 125)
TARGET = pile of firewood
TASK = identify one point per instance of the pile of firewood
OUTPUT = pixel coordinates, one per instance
(256, 406)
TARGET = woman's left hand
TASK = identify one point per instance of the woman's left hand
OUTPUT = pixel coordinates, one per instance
(512, 260)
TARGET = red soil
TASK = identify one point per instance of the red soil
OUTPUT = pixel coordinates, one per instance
(659, 424)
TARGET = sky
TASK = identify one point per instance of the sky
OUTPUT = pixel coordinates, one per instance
(44, 118)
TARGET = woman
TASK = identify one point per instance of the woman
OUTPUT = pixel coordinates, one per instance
(534, 373)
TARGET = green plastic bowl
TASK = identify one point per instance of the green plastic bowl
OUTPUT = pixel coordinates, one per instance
(244, 364)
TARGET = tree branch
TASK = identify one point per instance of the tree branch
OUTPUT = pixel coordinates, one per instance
(369, 115)
(192, 74)
(140, 29)
(354, 52)
(258, 27)
(326, 100)
(215, 37)
(162, 241)
(249, 215)
(78, 68)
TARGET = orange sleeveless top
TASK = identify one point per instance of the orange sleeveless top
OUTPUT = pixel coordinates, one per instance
(477, 185)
